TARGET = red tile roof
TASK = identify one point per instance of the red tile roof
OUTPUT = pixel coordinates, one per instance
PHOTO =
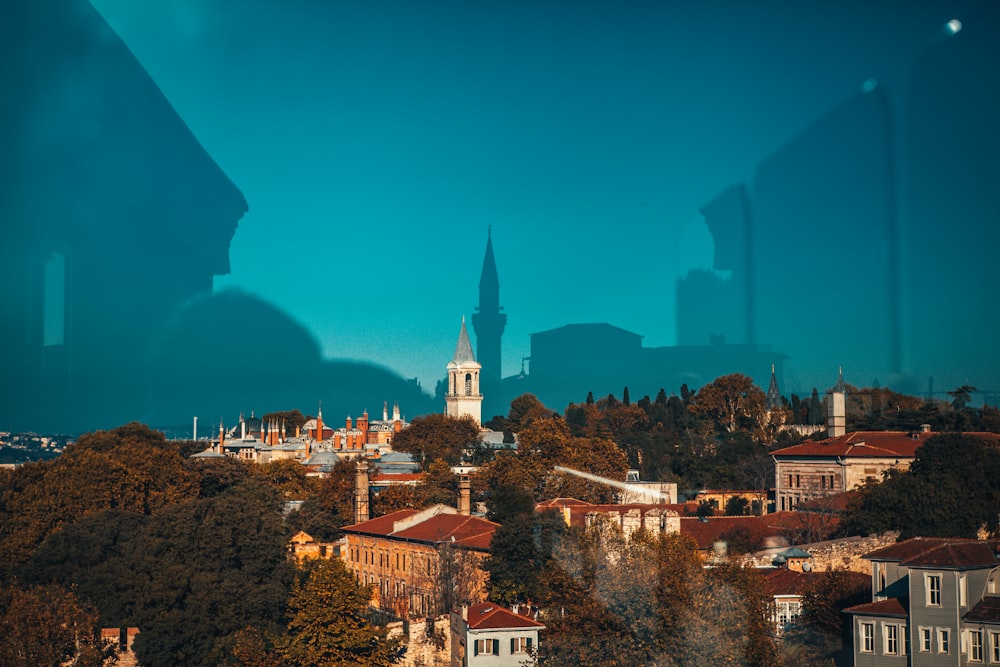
(706, 532)
(891, 607)
(467, 531)
(559, 503)
(987, 611)
(783, 581)
(868, 444)
(491, 616)
(941, 552)
(396, 478)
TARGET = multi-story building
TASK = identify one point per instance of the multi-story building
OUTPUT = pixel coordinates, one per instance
(409, 555)
(936, 602)
(843, 460)
(489, 635)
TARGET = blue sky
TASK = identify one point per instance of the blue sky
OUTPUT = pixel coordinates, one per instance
(377, 141)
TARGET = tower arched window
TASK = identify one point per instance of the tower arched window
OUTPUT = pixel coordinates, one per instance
(468, 384)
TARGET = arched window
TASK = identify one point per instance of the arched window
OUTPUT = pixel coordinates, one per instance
(468, 384)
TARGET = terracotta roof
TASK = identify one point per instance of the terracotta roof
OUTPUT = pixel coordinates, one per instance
(782, 581)
(707, 532)
(987, 611)
(459, 529)
(491, 616)
(396, 478)
(869, 444)
(891, 607)
(940, 552)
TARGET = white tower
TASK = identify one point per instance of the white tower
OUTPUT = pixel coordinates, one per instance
(463, 397)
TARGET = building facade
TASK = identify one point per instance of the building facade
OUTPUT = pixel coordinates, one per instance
(489, 635)
(409, 555)
(936, 602)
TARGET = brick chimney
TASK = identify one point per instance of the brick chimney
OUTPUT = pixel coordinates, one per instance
(464, 495)
(361, 491)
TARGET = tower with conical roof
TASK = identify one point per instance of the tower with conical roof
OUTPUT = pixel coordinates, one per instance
(489, 322)
(773, 394)
(463, 396)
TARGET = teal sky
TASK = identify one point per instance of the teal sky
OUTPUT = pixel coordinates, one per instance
(377, 141)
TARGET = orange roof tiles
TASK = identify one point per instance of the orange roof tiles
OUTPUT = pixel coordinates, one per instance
(491, 616)
(868, 444)
(891, 607)
(462, 530)
(940, 552)
(707, 532)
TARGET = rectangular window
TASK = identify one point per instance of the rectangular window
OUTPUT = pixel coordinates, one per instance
(932, 584)
(890, 639)
(925, 640)
(487, 647)
(943, 637)
(520, 645)
(867, 637)
(976, 645)
(995, 646)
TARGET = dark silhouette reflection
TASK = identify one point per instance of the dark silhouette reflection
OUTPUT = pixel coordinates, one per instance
(113, 218)
(952, 201)
(232, 352)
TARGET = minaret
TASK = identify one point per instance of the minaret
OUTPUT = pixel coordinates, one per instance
(222, 438)
(463, 397)
(773, 395)
(319, 423)
(836, 420)
(488, 322)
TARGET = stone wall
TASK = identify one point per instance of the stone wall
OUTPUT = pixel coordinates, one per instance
(846, 552)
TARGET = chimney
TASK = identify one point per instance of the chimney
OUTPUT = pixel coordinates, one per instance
(361, 491)
(836, 419)
(465, 612)
(319, 423)
(464, 496)
(194, 430)
(222, 437)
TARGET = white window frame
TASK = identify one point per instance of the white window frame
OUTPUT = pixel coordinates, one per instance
(867, 636)
(520, 645)
(995, 646)
(943, 640)
(975, 645)
(487, 647)
(890, 639)
(932, 589)
(926, 637)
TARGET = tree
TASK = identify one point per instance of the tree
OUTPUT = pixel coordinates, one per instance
(46, 626)
(438, 436)
(328, 624)
(950, 490)
(737, 506)
(525, 409)
(729, 400)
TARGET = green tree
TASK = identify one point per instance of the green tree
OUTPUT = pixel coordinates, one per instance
(950, 490)
(328, 624)
(438, 436)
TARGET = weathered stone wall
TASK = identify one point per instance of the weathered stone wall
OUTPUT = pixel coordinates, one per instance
(846, 552)
(423, 650)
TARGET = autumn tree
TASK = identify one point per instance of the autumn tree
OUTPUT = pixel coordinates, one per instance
(730, 400)
(47, 626)
(328, 622)
(438, 436)
(548, 443)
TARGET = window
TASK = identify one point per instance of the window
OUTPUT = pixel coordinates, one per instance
(943, 637)
(486, 647)
(976, 645)
(932, 584)
(890, 639)
(995, 646)
(468, 384)
(925, 640)
(867, 637)
(520, 645)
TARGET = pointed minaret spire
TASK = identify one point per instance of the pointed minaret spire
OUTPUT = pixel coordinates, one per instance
(773, 394)
(489, 323)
